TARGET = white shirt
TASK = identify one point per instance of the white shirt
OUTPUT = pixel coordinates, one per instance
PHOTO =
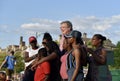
(31, 53)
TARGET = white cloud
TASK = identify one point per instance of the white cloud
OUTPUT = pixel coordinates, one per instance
(90, 25)
(34, 26)
(42, 26)
(101, 27)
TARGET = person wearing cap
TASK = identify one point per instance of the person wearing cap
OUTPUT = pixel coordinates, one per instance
(74, 67)
(66, 27)
(29, 56)
(10, 60)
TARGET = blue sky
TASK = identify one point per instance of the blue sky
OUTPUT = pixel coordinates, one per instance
(25, 17)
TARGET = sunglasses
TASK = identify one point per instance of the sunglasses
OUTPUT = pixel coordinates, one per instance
(44, 43)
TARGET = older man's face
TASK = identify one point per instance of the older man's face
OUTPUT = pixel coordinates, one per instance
(64, 28)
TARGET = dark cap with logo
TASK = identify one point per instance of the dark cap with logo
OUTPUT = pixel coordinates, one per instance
(74, 33)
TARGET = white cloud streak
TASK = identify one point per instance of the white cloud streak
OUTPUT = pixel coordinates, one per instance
(42, 26)
(90, 25)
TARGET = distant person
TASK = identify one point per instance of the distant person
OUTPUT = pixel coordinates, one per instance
(10, 59)
(29, 56)
(97, 59)
(63, 69)
(2, 76)
(66, 27)
(42, 72)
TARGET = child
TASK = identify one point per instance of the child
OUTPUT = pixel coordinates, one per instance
(43, 70)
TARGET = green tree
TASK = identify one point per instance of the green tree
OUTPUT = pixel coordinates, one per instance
(19, 62)
(117, 56)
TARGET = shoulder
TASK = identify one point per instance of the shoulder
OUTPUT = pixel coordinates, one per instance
(28, 49)
(76, 52)
(104, 50)
(46, 63)
(7, 56)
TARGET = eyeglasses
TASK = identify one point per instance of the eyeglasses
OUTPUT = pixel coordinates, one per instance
(44, 43)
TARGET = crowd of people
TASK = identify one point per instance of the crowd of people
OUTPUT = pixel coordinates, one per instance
(65, 61)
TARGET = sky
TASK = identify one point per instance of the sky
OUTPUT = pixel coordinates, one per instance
(26, 17)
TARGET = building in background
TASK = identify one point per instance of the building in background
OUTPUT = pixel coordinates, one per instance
(19, 47)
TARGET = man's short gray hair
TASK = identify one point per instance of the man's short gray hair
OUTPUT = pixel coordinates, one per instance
(68, 23)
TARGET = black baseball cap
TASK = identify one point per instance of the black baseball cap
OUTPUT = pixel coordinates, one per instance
(73, 33)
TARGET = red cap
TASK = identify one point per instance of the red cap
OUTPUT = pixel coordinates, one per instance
(32, 38)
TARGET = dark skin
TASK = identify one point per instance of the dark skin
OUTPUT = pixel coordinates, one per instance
(2, 76)
(77, 54)
(101, 59)
(39, 57)
(48, 58)
(26, 55)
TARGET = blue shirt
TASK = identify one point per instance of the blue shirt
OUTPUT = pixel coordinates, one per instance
(11, 61)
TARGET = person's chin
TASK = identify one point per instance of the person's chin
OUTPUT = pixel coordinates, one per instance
(64, 33)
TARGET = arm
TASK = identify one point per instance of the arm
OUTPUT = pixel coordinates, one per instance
(48, 58)
(77, 60)
(27, 58)
(35, 61)
(101, 58)
(3, 63)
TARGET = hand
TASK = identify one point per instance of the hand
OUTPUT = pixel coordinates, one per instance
(34, 66)
(90, 50)
(64, 32)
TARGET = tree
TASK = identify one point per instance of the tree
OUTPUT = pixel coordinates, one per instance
(19, 62)
(117, 56)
